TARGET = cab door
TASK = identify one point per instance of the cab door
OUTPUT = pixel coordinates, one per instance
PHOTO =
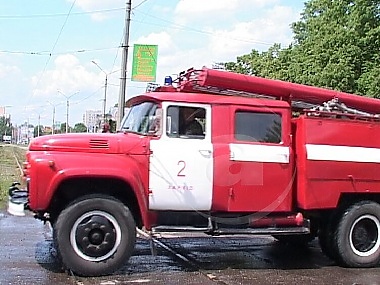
(254, 164)
(181, 164)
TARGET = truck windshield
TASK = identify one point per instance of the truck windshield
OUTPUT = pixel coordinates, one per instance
(143, 118)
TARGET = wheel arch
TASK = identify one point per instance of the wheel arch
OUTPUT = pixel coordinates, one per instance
(73, 188)
(347, 199)
(325, 216)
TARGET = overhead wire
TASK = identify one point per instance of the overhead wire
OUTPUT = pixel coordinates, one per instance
(70, 13)
(49, 53)
(173, 26)
(122, 38)
(17, 17)
(54, 45)
(138, 5)
(192, 29)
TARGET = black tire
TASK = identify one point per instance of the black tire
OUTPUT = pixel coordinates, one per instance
(357, 235)
(326, 241)
(95, 235)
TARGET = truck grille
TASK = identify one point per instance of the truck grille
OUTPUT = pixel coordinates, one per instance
(99, 144)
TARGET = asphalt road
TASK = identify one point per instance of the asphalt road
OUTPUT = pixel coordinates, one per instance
(27, 257)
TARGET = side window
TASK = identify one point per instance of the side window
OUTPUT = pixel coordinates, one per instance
(258, 127)
(186, 122)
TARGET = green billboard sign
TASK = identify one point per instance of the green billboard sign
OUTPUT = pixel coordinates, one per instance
(144, 64)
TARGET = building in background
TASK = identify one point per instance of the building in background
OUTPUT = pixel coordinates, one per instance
(112, 113)
(4, 114)
(2, 111)
(25, 133)
(92, 120)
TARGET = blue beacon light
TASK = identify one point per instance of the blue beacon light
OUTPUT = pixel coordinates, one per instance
(168, 80)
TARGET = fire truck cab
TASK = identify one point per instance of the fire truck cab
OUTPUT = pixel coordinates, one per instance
(235, 157)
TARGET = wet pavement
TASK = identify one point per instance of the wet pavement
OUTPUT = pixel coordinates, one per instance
(27, 257)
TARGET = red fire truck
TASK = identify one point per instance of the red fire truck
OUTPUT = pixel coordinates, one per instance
(220, 153)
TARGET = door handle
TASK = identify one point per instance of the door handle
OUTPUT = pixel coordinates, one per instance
(205, 152)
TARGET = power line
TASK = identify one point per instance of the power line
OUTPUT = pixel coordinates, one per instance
(87, 97)
(139, 4)
(25, 52)
(48, 53)
(55, 43)
(121, 41)
(17, 17)
(64, 24)
(175, 26)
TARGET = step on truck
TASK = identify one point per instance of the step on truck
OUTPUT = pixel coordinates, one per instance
(214, 152)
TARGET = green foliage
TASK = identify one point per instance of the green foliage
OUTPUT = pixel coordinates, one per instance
(62, 128)
(38, 131)
(79, 128)
(5, 127)
(336, 45)
(9, 169)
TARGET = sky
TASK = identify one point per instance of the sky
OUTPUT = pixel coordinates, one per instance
(48, 48)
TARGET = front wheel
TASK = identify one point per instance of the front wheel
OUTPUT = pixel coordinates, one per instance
(357, 236)
(95, 235)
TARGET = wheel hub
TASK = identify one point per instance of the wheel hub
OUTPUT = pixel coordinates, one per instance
(95, 236)
(365, 235)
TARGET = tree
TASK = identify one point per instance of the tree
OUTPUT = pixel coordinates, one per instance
(62, 128)
(80, 128)
(5, 127)
(336, 45)
(38, 131)
(341, 39)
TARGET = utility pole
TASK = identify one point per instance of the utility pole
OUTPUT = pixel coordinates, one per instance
(105, 89)
(67, 108)
(123, 77)
(38, 125)
(53, 123)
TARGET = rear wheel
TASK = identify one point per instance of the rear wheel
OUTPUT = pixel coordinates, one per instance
(357, 235)
(95, 235)
(326, 241)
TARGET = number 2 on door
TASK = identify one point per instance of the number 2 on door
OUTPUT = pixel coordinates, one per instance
(182, 166)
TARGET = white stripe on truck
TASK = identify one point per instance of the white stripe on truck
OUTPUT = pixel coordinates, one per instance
(259, 153)
(342, 153)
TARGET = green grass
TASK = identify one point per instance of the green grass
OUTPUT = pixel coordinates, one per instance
(9, 169)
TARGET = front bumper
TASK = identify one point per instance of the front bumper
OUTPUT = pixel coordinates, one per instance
(17, 200)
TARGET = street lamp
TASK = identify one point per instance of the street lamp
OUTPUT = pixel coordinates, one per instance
(52, 127)
(38, 125)
(67, 107)
(105, 90)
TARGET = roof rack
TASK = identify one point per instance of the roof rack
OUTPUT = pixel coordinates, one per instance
(228, 83)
